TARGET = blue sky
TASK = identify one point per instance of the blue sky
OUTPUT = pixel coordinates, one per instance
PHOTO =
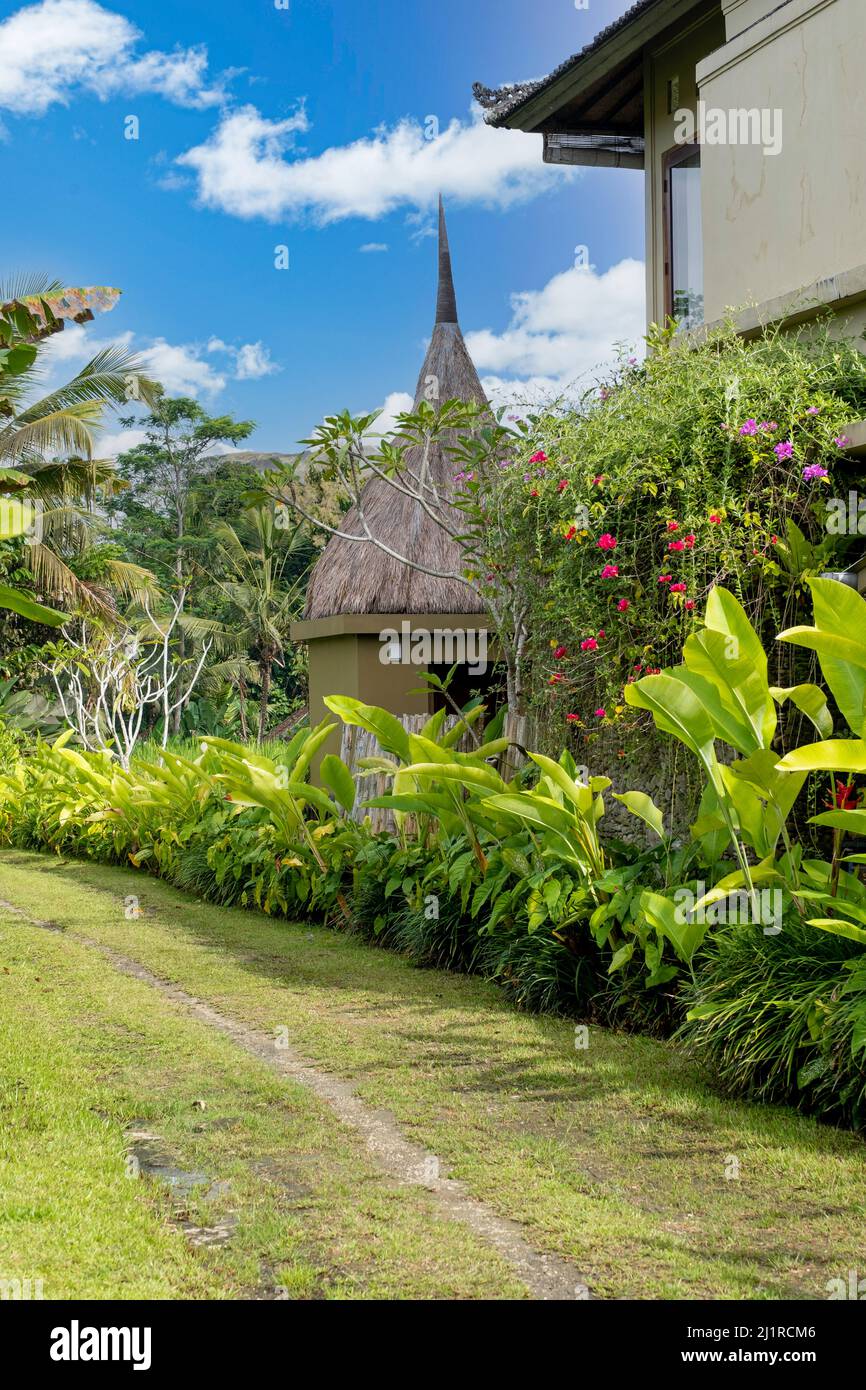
(261, 126)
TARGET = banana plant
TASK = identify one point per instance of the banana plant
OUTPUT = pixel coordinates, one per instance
(721, 693)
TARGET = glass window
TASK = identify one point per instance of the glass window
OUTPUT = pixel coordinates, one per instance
(684, 258)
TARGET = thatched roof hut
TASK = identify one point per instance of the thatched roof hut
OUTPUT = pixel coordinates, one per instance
(365, 609)
(359, 577)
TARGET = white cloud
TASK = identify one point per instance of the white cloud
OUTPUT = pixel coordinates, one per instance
(108, 446)
(372, 247)
(53, 50)
(562, 332)
(252, 360)
(181, 369)
(397, 403)
(243, 169)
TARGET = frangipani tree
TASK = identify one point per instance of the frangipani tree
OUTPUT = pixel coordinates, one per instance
(109, 679)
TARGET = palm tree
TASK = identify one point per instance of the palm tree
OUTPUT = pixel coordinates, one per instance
(262, 570)
(49, 441)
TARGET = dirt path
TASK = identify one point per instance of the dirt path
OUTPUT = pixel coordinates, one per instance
(545, 1276)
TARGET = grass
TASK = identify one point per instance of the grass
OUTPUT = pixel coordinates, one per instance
(617, 1155)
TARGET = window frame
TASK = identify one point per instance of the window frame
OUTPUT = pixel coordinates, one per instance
(678, 154)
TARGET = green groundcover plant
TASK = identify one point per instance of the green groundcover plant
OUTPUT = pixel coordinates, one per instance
(740, 936)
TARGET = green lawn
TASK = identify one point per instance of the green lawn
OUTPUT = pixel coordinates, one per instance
(615, 1157)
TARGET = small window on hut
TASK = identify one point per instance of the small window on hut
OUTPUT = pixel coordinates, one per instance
(684, 255)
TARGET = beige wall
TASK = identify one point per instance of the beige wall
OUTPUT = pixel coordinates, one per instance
(676, 59)
(350, 665)
(773, 225)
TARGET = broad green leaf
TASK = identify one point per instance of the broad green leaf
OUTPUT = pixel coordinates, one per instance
(337, 777)
(28, 608)
(384, 726)
(644, 808)
(809, 700)
(836, 755)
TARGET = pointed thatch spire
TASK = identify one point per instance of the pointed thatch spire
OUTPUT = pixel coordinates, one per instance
(360, 578)
(446, 302)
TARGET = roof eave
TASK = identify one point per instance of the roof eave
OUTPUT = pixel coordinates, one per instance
(541, 107)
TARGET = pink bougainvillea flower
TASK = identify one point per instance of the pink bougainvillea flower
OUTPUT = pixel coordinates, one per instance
(610, 572)
(814, 470)
(589, 644)
(573, 718)
(601, 714)
(607, 542)
(690, 603)
(623, 606)
(665, 578)
(842, 441)
(785, 450)
(562, 485)
(673, 525)
(678, 588)
(540, 457)
(689, 542)
(560, 653)
(750, 427)
(715, 519)
(676, 545)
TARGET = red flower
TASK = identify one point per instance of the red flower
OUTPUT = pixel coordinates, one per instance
(598, 480)
(690, 603)
(589, 644)
(601, 714)
(846, 798)
(715, 519)
(602, 635)
(570, 533)
(540, 457)
(534, 492)
(623, 606)
(774, 540)
(556, 678)
(560, 653)
(673, 525)
(665, 578)
(676, 545)
(610, 572)
(573, 718)
(607, 542)
(678, 588)
(689, 542)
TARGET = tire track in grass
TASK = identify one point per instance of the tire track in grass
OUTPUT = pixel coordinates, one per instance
(547, 1277)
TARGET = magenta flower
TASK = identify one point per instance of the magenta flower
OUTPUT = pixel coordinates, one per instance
(601, 714)
(607, 541)
(750, 427)
(814, 410)
(814, 470)
(678, 588)
(623, 606)
(610, 572)
(589, 644)
(540, 457)
(842, 441)
(785, 450)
